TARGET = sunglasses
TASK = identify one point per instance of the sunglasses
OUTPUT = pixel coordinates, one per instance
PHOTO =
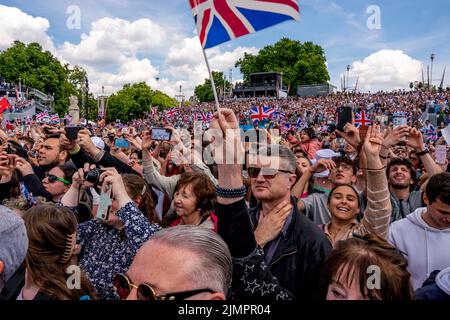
(253, 172)
(123, 287)
(344, 166)
(52, 179)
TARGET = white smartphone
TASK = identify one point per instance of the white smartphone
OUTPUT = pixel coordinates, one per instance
(104, 205)
(441, 154)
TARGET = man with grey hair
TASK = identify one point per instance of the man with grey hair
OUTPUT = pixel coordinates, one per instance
(183, 262)
(13, 244)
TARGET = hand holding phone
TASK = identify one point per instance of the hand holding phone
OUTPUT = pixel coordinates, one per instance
(345, 115)
(72, 132)
(121, 143)
(161, 134)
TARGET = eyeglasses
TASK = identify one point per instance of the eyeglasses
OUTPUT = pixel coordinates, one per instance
(123, 287)
(253, 172)
(52, 179)
(344, 166)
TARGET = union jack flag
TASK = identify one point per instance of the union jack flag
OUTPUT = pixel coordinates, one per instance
(54, 118)
(261, 113)
(300, 123)
(278, 115)
(361, 120)
(285, 127)
(41, 116)
(171, 113)
(219, 21)
(204, 116)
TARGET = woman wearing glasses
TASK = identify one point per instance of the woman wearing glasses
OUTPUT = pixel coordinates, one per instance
(109, 244)
(55, 184)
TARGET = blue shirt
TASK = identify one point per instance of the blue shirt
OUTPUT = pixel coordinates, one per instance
(271, 247)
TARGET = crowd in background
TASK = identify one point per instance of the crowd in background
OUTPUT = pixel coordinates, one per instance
(314, 216)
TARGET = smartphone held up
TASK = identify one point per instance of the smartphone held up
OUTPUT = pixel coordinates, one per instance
(161, 134)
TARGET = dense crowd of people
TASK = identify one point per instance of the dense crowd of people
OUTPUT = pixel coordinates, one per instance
(311, 213)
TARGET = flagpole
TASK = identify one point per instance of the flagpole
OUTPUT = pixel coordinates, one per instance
(212, 80)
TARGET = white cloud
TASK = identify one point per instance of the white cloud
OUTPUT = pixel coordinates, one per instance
(17, 25)
(185, 62)
(113, 41)
(116, 52)
(386, 70)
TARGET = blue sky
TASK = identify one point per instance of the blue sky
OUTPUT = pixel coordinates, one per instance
(170, 52)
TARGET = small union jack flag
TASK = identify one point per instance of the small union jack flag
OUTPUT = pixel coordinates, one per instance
(204, 116)
(261, 113)
(219, 21)
(171, 113)
(300, 124)
(278, 115)
(285, 127)
(361, 120)
(54, 118)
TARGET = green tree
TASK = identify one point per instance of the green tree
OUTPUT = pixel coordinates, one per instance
(300, 63)
(39, 69)
(204, 92)
(135, 99)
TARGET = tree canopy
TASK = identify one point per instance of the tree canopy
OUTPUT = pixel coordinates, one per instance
(300, 63)
(135, 99)
(204, 92)
(38, 69)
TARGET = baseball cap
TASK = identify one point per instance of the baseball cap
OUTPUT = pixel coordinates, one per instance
(98, 142)
(324, 154)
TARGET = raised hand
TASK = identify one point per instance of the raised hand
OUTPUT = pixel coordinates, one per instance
(350, 134)
(395, 136)
(84, 140)
(415, 139)
(322, 165)
(23, 166)
(110, 176)
(374, 140)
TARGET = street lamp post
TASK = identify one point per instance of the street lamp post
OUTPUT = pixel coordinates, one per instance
(431, 76)
(348, 77)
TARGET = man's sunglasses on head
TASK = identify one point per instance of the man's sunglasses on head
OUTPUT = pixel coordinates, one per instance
(123, 287)
(253, 172)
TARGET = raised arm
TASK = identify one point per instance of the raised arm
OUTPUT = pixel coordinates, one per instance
(378, 212)
(234, 225)
(151, 174)
(415, 141)
(137, 227)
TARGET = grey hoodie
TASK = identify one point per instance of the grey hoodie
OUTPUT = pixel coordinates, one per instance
(13, 242)
(427, 248)
(443, 280)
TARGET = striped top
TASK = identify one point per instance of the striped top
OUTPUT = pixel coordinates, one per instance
(377, 215)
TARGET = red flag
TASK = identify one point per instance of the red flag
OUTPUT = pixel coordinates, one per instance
(4, 105)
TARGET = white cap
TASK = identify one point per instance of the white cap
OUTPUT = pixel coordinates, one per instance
(324, 154)
(98, 142)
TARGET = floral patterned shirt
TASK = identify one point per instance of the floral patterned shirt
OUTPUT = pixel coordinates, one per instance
(107, 251)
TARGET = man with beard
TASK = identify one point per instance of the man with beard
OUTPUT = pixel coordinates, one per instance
(50, 155)
(402, 175)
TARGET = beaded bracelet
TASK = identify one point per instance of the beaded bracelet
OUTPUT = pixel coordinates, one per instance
(231, 193)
